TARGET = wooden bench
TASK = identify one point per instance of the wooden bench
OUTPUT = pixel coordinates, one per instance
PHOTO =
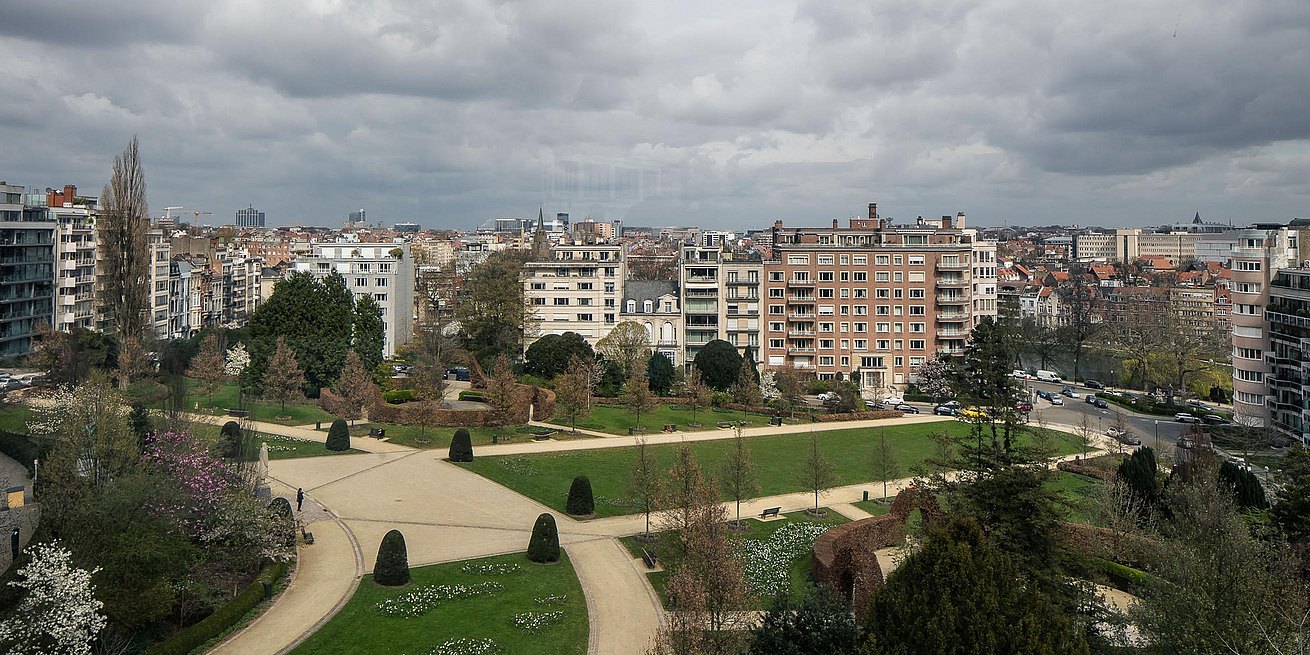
(308, 536)
(670, 427)
(649, 559)
(377, 433)
(771, 512)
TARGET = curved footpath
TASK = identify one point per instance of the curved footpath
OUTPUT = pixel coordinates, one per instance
(448, 513)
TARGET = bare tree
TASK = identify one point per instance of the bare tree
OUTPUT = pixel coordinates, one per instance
(746, 390)
(1081, 303)
(645, 482)
(697, 392)
(433, 347)
(1119, 510)
(638, 398)
(627, 345)
(284, 379)
(133, 364)
(207, 366)
(817, 471)
(500, 392)
(738, 473)
(121, 236)
(883, 462)
(356, 388)
(1086, 435)
(572, 395)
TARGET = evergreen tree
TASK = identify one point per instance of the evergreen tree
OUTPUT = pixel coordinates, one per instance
(392, 568)
(748, 358)
(819, 623)
(1140, 472)
(492, 311)
(368, 336)
(543, 548)
(461, 446)
(551, 354)
(140, 423)
(660, 372)
(1248, 493)
(338, 438)
(580, 501)
(719, 364)
(284, 378)
(315, 317)
(959, 594)
(1292, 511)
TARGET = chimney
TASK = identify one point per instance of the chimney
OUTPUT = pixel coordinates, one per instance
(834, 223)
(873, 210)
(959, 220)
(947, 223)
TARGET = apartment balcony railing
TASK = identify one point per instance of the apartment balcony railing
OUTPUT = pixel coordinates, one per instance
(800, 283)
(803, 315)
(701, 279)
(951, 282)
(951, 316)
(952, 300)
(801, 333)
(952, 334)
(952, 266)
(800, 349)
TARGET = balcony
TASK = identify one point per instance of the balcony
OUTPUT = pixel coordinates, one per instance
(701, 279)
(803, 315)
(952, 266)
(800, 283)
(951, 282)
(800, 349)
(952, 300)
(666, 343)
(743, 313)
(702, 293)
(952, 316)
(1287, 319)
(952, 334)
(801, 333)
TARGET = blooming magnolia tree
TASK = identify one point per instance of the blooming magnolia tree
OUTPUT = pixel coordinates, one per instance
(237, 360)
(59, 615)
(769, 386)
(934, 377)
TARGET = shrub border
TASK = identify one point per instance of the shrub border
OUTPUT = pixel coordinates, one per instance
(211, 626)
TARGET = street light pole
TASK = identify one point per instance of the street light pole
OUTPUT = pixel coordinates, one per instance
(1157, 437)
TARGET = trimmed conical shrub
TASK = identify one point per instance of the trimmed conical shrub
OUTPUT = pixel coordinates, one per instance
(392, 568)
(544, 547)
(581, 502)
(280, 508)
(461, 446)
(229, 440)
(338, 436)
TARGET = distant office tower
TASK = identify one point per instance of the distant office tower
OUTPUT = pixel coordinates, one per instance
(358, 218)
(406, 228)
(250, 217)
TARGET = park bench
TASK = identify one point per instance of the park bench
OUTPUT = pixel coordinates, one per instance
(377, 433)
(307, 535)
(725, 424)
(649, 559)
(238, 413)
(500, 438)
(770, 512)
(670, 427)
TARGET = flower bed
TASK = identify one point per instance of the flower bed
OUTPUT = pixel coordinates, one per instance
(534, 622)
(768, 561)
(490, 568)
(419, 601)
(465, 646)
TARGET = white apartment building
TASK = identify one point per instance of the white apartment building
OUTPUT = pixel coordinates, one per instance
(75, 270)
(382, 270)
(721, 293)
(655, 306)
(160, 247)
(577, 289)
(983, 281)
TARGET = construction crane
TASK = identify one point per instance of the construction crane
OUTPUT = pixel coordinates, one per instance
(199, 214)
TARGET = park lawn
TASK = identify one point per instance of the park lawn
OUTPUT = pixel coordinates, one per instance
(359, 629)
(14, 418)
(1076, 491)
(874, 507)
(279, 446)
(777, 460)
(615, 419)
(439, 437)
(798, 568)
(301, 413)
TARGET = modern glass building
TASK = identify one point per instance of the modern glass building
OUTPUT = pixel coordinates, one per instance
(27, 267)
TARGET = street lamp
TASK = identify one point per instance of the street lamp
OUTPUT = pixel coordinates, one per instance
(1157, 436)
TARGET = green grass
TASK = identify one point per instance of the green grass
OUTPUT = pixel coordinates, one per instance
(798, 574)
(360, 630)
(616, 420)
(1076, 491)
(279, 447)
(874, 507)
(409, 435)
(777, 461)
(226, 396)
(14, 418)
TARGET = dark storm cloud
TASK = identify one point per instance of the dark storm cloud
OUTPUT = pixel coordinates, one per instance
(731, 113)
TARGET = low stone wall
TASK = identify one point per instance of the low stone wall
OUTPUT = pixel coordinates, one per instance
(542, 402)
(845, 557)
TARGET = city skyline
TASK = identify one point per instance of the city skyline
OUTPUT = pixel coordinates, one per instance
(733, 116)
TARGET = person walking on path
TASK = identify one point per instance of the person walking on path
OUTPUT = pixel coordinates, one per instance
(300, 498)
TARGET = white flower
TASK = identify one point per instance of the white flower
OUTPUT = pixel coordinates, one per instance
(237, 360)
(59, 615)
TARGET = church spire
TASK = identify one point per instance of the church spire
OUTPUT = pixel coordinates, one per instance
(540, 248)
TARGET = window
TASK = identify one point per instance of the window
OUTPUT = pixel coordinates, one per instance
(860, 260)
(1246, 266)
(825, 293)
(1247, 287)
(800, 276)
(916, 293)
(916, 260)
(918, 310)
(630, 307)
(881, 293)
(861, 310)
(861, 293)
(844, 259)
(845, 361)
(1249, 310)
(380, 297)
(845, 310)
(1248, 398)
(538, 301)
(845, 276)
(826, 344)
(561, 302)
(777, 343)
(777, 292)
(825, 276)
(776, 310)
(1248, 353)
(609, 287)
(845, 327)
(361, 281)
(861, 327)
(825, 327)
(916, 328)
(916, 361)
(884, 327)
(825, 310)
(648, 306)
(1248, 376)
(846, 293)
(861, 344)
(538, 286)
(898, 327)
(775, 326)
(845, 344)
(861, 276)
(584, 301)
(586, 318)
(916, 276)
(825, 260)
(900, 361)
(881, 260)
(870, 362)
(825, 360)
(898, 260)
(798, 260)
(585, 286)
(898, 277)
(898, 294)
(775, 276)
(881, 276)
(884, 344)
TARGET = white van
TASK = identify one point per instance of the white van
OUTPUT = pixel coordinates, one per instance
(1048, 376)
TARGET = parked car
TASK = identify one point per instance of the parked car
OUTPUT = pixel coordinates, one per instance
(908, 409)
(973, 413)
(893, 401)
(1093, 384)
(1123, 436)
(869, 404)
(1069, 392)
(1055, 400)
(1096, 402)
(1043, 394)
(1214, 419)
(1020, 375)
(460, 373)
(1049, 376)
(1198, 404)
(1023, 406)
(953, 404)
(827, 395)
(944, 410)
(1184, 417)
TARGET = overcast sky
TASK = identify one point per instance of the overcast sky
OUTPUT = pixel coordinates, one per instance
(724, 114)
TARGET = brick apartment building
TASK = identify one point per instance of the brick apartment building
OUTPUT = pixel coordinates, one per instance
(874, 300)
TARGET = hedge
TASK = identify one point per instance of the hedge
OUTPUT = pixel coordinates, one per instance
(399, 396)
(23, 448)
(225, 617)
(475, 396)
